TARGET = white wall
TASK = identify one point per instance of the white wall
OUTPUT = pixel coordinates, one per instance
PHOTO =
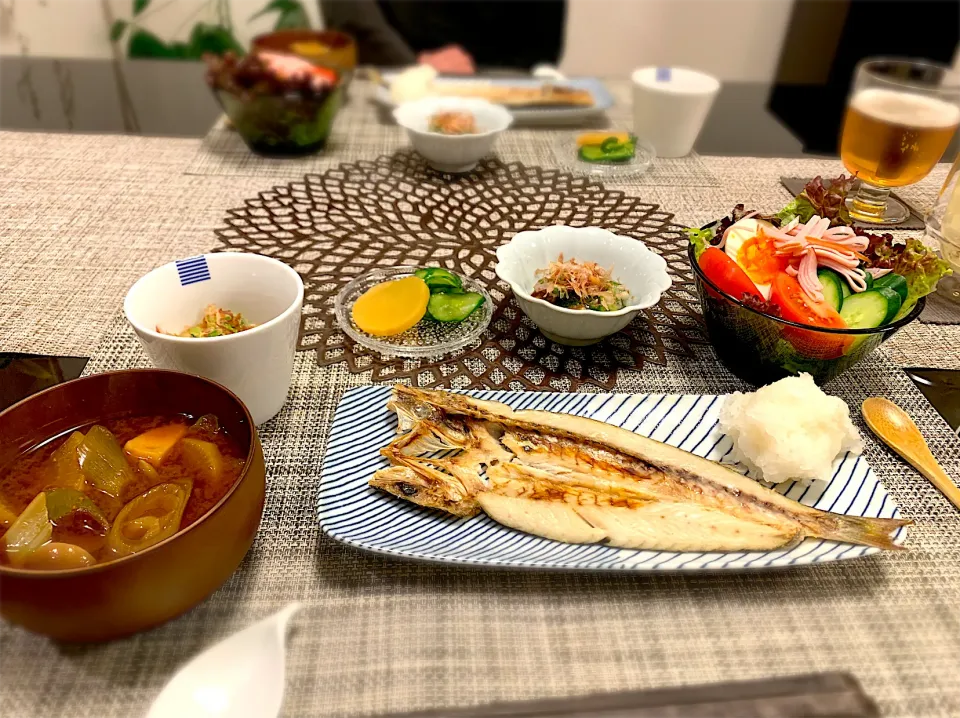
(732, 39)
(53, 28)
(81, 28)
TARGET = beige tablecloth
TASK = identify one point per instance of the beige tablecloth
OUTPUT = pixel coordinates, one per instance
(84, 216)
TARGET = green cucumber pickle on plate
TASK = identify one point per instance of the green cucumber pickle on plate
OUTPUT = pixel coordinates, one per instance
(603, 147)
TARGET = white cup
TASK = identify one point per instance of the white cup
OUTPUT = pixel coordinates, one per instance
(670, 105)
(255, 364)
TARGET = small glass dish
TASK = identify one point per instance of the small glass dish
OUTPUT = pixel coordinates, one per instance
(567, 158)
(428, 338)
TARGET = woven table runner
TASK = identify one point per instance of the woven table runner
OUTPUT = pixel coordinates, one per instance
(380, 635)
(943, 306)
(364, 131)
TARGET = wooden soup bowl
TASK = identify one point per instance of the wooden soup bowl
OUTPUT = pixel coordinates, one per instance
(145, 589)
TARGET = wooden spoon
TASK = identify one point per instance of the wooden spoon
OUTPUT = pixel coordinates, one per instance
(897, 430)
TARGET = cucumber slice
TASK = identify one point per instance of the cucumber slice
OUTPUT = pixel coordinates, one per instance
(439, 279)
(845, 288)
(608, 144)
(895, 282)
(596, 153)
(453, 307)
(592, 153)
(870, 309)
(832, 287)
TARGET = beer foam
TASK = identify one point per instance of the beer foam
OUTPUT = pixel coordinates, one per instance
(905, 108)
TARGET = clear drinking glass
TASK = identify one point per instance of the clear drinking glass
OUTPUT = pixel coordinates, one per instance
(900, 117)
(943, 227)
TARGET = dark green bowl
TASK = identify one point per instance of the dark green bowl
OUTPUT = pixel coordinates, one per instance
(282, 125)
(760, 348)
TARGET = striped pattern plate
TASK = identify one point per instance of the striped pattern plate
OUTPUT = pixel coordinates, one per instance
(356, 514)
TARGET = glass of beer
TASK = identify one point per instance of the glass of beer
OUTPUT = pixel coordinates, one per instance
(900, 118)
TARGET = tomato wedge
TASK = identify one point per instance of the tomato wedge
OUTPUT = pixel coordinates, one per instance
(727, 274)
(796, 306)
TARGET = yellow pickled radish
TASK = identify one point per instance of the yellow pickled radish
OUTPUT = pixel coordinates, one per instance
(391, 307)
(598, 138)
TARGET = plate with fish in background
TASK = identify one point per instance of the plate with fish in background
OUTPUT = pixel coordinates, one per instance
(671, 508)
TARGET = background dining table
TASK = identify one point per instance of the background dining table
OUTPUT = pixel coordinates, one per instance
(84, 216)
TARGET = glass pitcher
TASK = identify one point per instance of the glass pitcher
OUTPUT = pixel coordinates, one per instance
(943, 227)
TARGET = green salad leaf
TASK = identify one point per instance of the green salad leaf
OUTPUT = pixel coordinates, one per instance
(827, 200)
(700, 239)
(706, 236)
(911, 259)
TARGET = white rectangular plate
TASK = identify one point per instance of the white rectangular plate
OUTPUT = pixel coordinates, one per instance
(602, 99)
(356, 514)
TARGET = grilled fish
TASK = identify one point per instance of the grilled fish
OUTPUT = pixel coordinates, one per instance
(579, 480)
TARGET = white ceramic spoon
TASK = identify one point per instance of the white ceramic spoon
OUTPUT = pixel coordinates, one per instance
(240, 677)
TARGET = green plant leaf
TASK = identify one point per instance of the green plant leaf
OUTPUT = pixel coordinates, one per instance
(117, 29)
(292, 19)
(144, 44)
(215, 39)
(139, 6)
(280, 6)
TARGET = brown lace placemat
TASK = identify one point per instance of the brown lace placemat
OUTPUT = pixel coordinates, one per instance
(333, 226)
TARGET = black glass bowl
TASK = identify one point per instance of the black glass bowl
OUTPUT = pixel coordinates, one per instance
(282, 125)
(760, 348)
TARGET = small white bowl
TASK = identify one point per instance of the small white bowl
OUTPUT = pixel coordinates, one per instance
(642, 271)
(452, 153)
(256, 364)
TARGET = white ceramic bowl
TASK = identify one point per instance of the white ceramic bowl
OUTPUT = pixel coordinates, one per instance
(452, 153)
(635, 266)
(256, 365)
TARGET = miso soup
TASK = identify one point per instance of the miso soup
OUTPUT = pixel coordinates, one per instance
(112, 489)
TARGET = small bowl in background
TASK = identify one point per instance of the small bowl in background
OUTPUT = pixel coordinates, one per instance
(255, 364)
(452, 153)
(328, 48)
(760, 348)
(144, 589)
(642, 271)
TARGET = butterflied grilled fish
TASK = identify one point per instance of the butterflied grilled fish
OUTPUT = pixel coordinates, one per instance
(579, 480)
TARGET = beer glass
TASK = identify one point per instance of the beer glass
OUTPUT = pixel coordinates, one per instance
(943, 227)
(900, 118)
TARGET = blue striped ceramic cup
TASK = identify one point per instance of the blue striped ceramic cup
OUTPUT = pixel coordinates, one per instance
(255, 364)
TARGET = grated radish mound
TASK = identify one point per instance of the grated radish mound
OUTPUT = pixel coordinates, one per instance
(789, 430)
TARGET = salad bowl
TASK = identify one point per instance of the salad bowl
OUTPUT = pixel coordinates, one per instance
(639, 269)
(803, 290)
(760, 348)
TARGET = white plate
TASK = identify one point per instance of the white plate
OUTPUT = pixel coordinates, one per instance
(602, 99)
(356, 514)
